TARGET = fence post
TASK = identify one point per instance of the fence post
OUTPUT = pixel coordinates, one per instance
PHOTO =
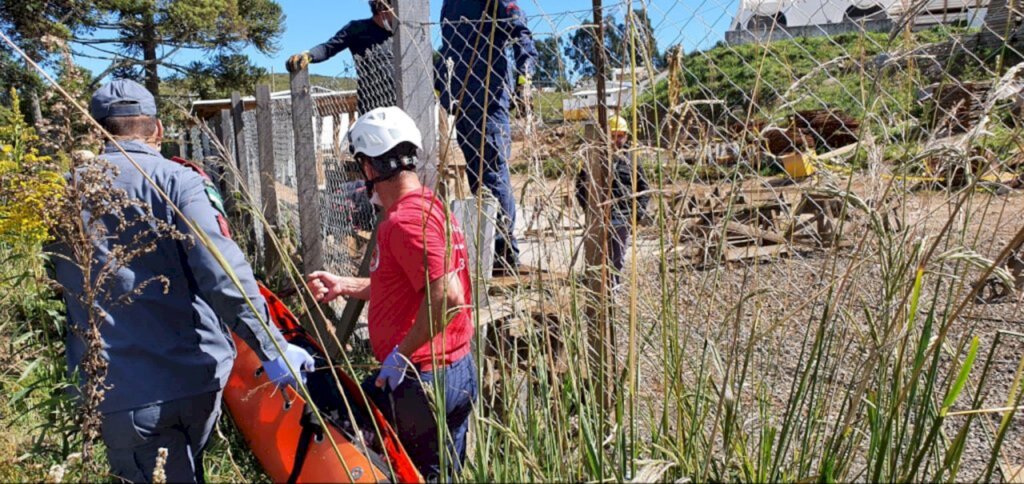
(268, 187)
(246, 220)
(204, 142)
(414, 76)
(181, 145)
(307, 180)
(190, 150)
(601, 333)
(310, 223)
(228, 181)
(241, 153)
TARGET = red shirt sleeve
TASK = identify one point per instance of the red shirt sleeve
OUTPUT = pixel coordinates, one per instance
(419, 246)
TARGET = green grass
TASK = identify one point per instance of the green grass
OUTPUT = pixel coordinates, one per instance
(844, 365)
(281, 81)
(37, 417)
(548, 105)
(731, 73)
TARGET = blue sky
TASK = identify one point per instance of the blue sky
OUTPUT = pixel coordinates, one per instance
(694, 23)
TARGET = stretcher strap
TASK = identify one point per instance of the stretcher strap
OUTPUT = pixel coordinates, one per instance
(310, 428)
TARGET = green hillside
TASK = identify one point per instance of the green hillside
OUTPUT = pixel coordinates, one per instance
(279, 82)
(842, 72)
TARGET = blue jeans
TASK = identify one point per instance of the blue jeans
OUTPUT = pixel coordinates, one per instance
(409, 410)
(618, 243)
(182, 426)
(490, 168)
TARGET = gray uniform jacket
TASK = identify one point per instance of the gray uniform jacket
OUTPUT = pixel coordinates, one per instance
(166, 346)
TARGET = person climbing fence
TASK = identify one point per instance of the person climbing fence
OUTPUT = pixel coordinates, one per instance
(476, 82)
(369, 42)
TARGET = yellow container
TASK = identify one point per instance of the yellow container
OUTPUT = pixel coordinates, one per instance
(797, 165)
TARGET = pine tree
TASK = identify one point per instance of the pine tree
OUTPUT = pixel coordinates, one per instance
(140, 37)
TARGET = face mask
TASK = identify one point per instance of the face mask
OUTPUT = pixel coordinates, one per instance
(388, 24)
(374, 197)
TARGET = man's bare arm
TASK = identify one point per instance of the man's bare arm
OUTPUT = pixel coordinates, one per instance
(445, 297)
(327, 287)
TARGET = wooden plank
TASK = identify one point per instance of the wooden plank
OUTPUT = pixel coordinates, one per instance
(245, 219)
(838, 152)
(310, 221)
(354, 306)
(182, 152)
(321, 169)
(414, 78)
(336, 137)
(527, 277)
(268, 186)
(241, 152)
(228, 181)
(756, 233)
(444, 155)
(733, 254)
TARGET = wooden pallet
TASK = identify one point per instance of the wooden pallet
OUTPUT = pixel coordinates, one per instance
(527, 277)
(730, 224)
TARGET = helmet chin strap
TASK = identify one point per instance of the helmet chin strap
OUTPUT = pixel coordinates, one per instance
(404, 163)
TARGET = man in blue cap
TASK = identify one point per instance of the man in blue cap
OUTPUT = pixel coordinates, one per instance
(478, 90)
(367, 40)
(168, 350)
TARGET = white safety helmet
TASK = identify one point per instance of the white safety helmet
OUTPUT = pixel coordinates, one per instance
(382, 129)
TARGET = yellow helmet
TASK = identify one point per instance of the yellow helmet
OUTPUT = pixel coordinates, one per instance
(618, 124)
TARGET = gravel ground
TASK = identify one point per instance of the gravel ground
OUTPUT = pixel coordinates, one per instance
(772, 308)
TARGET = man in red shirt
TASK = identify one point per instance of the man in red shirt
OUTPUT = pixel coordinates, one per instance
(420, 318)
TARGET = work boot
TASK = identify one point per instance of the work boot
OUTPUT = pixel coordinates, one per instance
(505, 268)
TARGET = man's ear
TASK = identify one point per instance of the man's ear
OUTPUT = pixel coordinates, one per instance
(159, 134)
(368, 170)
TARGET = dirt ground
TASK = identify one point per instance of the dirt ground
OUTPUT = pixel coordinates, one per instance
(771, 307)
(774, 305)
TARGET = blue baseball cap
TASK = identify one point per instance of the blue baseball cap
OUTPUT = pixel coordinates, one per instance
(122, 97)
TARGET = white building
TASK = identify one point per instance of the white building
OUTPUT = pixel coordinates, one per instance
(818, 17)
(583, 102)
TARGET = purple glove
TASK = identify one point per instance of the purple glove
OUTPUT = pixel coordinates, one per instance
(277, 370)
(392, 371)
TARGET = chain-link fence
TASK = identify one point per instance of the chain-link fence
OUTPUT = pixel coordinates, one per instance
(347, 215)
(375, 78)
(800, 208)
(252, 179)
(781, 176)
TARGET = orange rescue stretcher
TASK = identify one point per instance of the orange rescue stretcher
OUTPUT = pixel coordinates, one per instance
(284, 434)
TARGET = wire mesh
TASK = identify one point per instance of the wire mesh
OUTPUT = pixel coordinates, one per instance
(803, 168)
(347, 214)
(375, 78)
(796, 160)
(284, 162)
(252, 160)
